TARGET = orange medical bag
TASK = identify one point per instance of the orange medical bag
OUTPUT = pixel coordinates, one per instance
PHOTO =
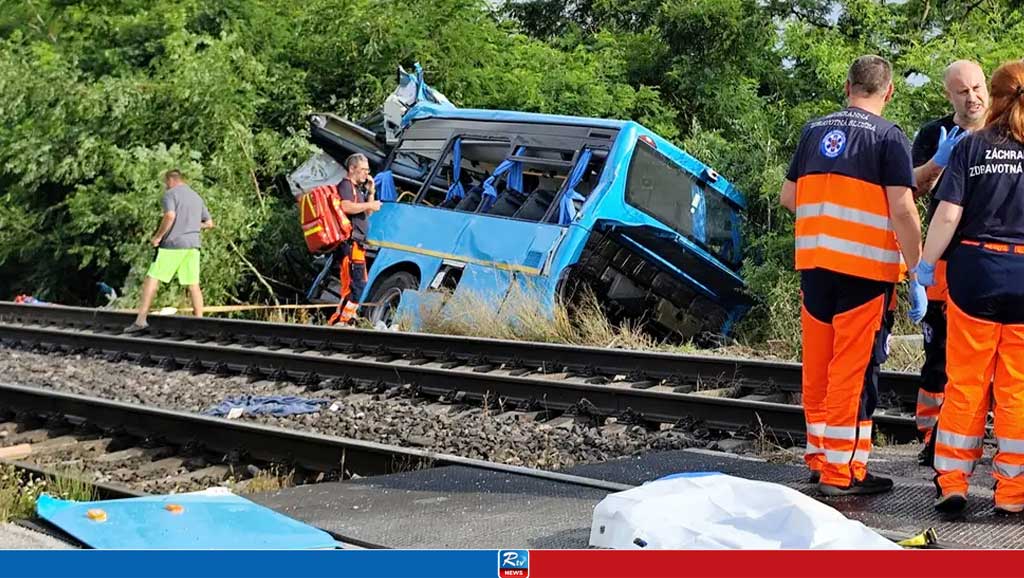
(324, 224)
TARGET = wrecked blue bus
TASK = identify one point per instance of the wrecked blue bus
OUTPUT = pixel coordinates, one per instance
(484, 200)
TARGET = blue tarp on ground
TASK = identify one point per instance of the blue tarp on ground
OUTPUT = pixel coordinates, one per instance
(213, 519)
(277, 405)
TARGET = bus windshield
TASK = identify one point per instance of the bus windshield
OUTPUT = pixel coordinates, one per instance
(667, 192)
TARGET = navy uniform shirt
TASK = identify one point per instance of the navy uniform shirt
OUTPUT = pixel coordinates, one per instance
(854, 143)
(985, 176)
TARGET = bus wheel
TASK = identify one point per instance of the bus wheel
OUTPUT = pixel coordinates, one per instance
(387, 294)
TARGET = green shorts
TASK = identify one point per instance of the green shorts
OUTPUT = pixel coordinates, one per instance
(183, 262)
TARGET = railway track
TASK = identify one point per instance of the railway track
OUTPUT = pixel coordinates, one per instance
(100, 434)
(722, 393)
(70, 419)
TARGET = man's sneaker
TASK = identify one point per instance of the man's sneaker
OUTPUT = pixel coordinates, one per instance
(815, 477)
(951, 503)
(869, 485)
(135, 328)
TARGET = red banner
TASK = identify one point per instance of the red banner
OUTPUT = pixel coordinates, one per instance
(775, 564)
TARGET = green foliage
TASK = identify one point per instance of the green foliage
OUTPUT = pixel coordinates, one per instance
(99, 97)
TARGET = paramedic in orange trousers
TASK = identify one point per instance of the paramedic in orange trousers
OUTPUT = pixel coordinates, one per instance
(966, 90)
(357, 191)
(850, 184)
(981, 216)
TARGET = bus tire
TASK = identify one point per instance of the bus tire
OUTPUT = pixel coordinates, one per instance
(387, 294)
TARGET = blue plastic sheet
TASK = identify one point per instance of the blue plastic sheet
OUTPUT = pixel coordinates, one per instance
(566, 208)
(456, 191)
(213, 519)
(514, 179)
(277, 405)
(386, 190)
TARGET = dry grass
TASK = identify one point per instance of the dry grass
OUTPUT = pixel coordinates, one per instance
(269, 480)
(904, 355)
(521, 316)
(881, 440)
(18, 491)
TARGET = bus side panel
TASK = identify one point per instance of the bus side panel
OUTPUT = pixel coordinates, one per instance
(481, 285)
(415, 228)
(508, 244)
(387, 258)
(505, 244)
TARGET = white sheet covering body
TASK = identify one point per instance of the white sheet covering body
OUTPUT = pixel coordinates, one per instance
(718, 511)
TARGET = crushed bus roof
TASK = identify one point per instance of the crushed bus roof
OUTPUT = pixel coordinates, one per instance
(426, 110)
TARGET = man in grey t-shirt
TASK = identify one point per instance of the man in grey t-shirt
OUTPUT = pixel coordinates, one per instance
(177, 242)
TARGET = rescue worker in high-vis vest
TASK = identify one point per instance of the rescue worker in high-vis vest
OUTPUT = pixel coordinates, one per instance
(981, 217)
(857, 229)
(967, 92)
(357, 191)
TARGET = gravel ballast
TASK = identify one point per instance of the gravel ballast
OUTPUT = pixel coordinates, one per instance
(474, 432)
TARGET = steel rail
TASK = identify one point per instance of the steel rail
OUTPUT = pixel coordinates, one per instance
(310, 450)
(640, 365)
(782, 420)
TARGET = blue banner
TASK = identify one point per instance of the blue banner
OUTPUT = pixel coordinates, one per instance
(261, 564)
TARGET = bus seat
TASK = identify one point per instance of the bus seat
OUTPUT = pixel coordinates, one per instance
(536, 205)
(470, 201)
(507, 204)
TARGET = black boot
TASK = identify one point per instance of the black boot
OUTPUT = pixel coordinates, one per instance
(869, 485)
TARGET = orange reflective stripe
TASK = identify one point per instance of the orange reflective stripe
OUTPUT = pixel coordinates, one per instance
(821, 258)
(842, 190)
(850, 231)
(926, 414)
(957, 453)
(815, 438)
(997, 247)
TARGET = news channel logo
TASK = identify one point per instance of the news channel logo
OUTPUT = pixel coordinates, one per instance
(513, 563)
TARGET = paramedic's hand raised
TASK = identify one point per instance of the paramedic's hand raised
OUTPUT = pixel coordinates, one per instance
(946, 144)
(371, 185)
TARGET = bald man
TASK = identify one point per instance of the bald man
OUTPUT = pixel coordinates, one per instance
(967, 91)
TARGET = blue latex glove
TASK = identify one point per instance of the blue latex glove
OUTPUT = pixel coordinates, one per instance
(946, 144)
(925, 273)
(918, 301)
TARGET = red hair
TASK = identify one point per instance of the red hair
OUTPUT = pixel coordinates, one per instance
(1006, 114)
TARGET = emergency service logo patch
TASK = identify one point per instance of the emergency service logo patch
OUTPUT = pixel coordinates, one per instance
(833, 143)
